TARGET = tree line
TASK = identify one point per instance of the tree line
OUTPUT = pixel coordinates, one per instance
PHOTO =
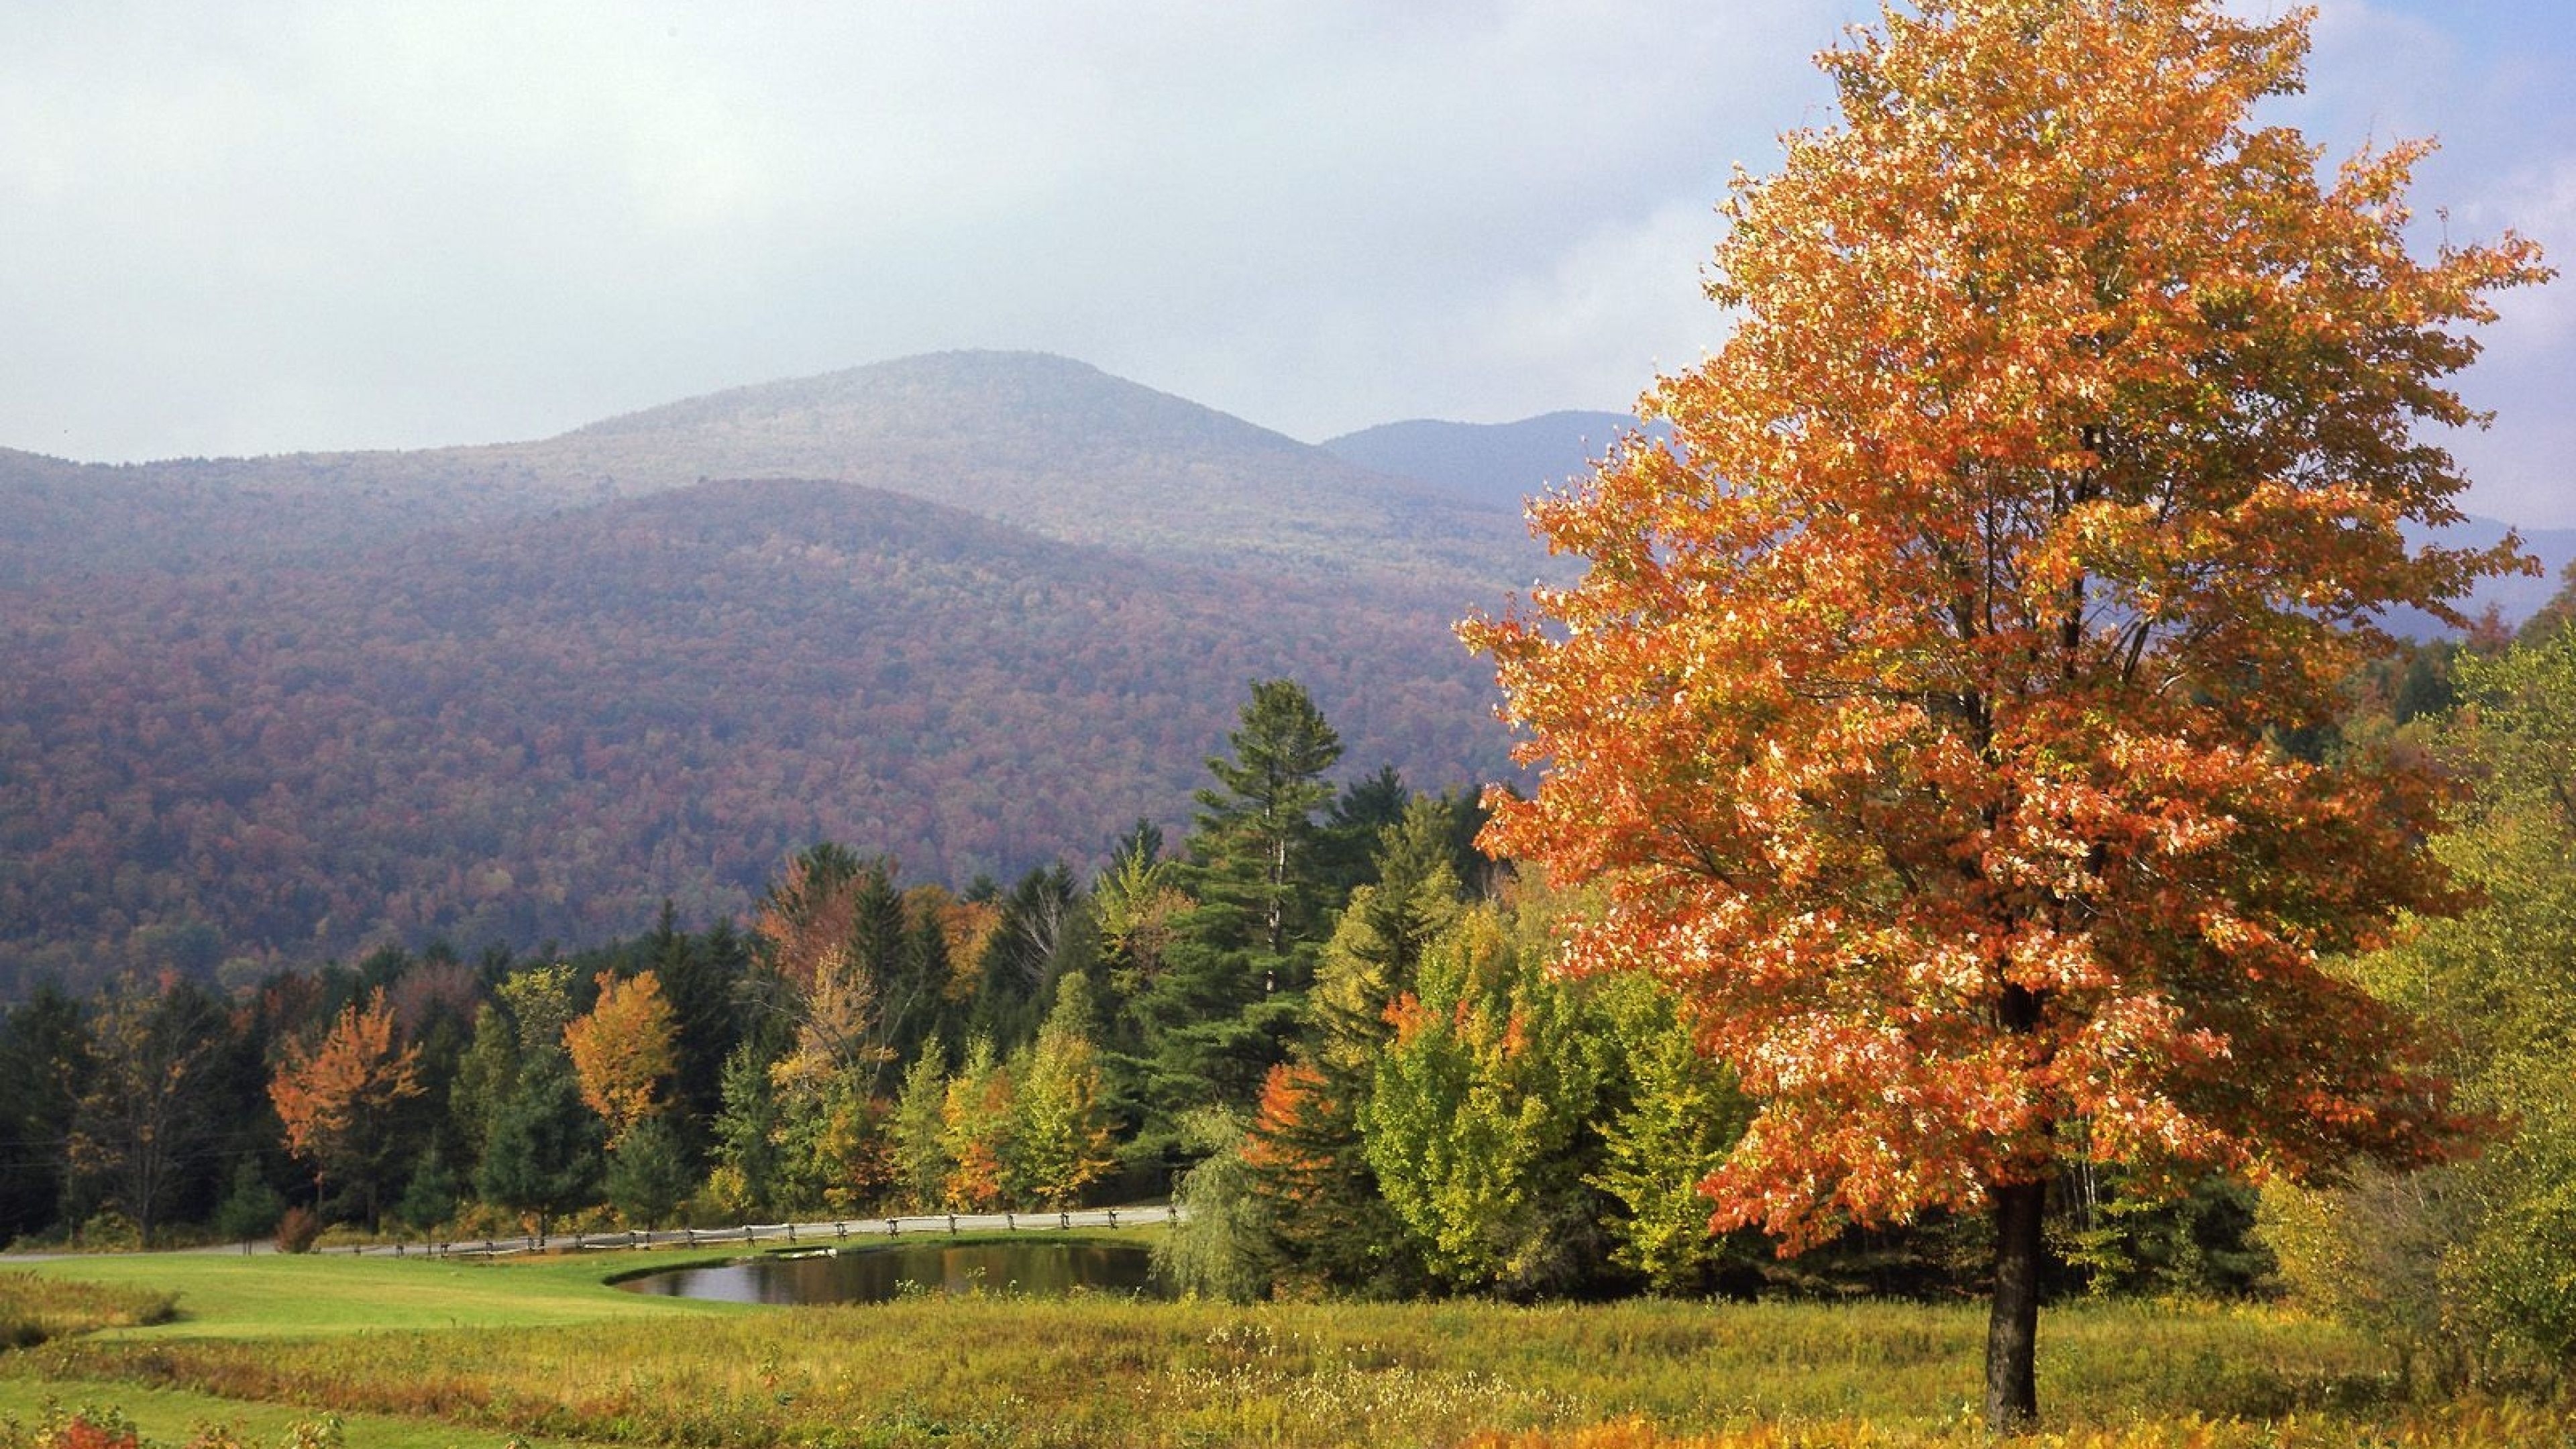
(861, 1041)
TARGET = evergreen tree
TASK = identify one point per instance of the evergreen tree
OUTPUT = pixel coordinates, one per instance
(1305, 1150)
(746, 1168)
(44, 1069)
(251, 1206)
(431, 1196)
(648, 1175)
(1045, 930)
(1346, 843)
(542, 1155)
(1255, 843)
(701, 977)
(1231, 993)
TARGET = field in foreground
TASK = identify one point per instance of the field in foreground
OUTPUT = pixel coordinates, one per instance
(413, 1353)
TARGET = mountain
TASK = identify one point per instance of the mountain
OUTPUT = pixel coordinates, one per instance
(1494, 463)
(540, 729)
(1040, 442)
(973, 609)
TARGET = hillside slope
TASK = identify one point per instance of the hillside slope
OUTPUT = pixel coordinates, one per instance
(529, 730)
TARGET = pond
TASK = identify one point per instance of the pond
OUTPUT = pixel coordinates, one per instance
(876, 1275)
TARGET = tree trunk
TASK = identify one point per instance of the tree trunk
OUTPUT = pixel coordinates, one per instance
(2012, 1333)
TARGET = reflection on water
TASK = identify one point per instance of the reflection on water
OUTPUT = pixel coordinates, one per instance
(875, 1275)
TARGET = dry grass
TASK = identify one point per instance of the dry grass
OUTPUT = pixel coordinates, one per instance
(35, 1307)
(542, 1350)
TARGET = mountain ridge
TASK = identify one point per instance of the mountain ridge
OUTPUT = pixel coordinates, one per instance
(1028, 438)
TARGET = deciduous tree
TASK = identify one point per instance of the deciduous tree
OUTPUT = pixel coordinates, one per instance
(1918, 704)
(1062, 1135)
(1473, 1119)
(622, 1051)
(142, 1113)
(2473, 1264)
(337, 1098)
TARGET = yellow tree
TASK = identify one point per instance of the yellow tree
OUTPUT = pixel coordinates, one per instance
(1062, 1131)
(1921, 706)
(337, 1098)
(622, 1050)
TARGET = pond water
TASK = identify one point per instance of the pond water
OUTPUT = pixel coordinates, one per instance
(876, 1275)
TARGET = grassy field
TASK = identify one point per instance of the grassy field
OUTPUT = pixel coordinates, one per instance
(418, 1353)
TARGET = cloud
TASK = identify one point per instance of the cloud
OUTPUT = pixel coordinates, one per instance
(368, 223)
(364, 223)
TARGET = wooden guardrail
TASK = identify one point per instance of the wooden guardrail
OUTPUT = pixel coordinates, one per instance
(820, 1232)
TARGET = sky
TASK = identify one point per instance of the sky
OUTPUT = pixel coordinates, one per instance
(231, 229)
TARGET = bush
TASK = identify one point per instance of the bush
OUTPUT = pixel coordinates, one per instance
(297, 1230)
(108, 1232)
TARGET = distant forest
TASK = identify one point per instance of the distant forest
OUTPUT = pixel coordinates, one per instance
(545, 732)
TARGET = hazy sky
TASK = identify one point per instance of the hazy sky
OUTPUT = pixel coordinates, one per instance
(247, 229)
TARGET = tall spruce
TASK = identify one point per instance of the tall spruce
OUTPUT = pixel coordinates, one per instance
(1230, 995)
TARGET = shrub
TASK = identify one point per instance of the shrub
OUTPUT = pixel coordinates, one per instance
(297, 1229)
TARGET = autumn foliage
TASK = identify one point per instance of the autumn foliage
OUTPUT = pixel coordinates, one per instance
(337, 1097)
(622, 1051)
(1922, 705)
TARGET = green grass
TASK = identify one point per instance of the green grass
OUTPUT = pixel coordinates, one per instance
(220, 1296)
(475, 1352)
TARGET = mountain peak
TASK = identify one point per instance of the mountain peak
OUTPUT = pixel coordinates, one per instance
(947, 395)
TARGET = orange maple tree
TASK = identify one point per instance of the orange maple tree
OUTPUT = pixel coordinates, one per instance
(337, 1097)
(623, 1049)
(1922, 705)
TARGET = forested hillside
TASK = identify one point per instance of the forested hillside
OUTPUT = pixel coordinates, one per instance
(275, 711)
